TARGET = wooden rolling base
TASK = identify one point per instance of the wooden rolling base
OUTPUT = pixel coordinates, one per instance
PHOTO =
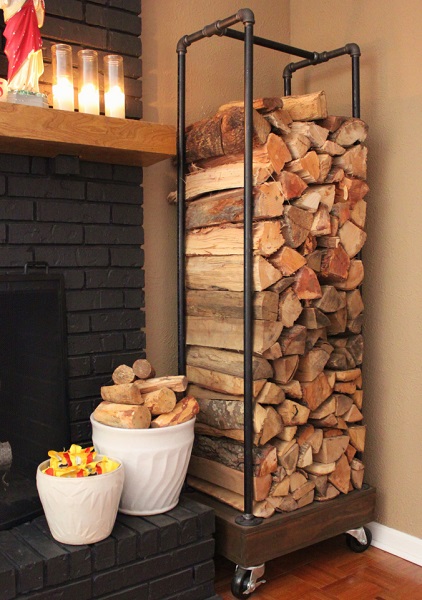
(286, 532)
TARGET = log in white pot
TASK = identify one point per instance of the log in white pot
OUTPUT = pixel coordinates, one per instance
(155, 461)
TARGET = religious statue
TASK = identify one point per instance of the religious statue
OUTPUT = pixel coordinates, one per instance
(23, 20)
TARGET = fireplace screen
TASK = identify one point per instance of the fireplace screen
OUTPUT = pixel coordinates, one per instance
(33, 401)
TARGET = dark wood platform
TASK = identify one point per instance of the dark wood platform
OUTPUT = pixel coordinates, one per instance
(286, 532)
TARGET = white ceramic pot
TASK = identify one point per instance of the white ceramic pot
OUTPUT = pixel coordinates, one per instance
(80, 510)
(155, 460)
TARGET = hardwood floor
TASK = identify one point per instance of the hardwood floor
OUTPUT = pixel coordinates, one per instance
(330, 571)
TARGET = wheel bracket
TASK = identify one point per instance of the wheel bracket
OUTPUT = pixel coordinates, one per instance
(359, 534)
(253, 580)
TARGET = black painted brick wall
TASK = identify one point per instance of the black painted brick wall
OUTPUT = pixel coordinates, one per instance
(83, 218)
(162, 557)
(107, 26)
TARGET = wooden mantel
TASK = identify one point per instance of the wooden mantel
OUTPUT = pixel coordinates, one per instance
(48, 132)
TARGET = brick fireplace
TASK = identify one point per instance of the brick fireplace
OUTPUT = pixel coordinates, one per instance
(85, 220)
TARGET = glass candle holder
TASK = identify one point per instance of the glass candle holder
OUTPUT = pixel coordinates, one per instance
(63, 94)
(88, 92)
(114, 87)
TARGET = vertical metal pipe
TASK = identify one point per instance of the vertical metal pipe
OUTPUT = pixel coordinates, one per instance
(355, 86)
(181, 192)
(287, 84)
(247, 274)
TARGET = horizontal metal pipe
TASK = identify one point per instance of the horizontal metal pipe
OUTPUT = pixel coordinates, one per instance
(259, 41)
(321, 57)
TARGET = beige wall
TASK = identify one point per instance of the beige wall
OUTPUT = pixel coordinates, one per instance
(389, 35)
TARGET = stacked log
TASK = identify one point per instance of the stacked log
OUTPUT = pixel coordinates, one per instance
(139, 400)
(309, 172)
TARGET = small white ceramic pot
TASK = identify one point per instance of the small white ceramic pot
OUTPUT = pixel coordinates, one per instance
(155, 461)
(80, 510)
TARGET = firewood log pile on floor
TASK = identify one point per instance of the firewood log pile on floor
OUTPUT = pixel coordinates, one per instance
(139, 400)
(309, 172)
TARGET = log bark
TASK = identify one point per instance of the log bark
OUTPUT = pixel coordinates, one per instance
(126, 416)
(220, 382)
(224, 361)
(227, 176)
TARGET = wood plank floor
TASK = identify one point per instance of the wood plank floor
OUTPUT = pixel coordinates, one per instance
(330, 571)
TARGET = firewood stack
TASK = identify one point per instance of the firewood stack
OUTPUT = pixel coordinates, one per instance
(309, 173)
(139, 400)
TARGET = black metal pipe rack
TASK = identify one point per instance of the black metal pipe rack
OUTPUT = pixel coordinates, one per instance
(221, 28)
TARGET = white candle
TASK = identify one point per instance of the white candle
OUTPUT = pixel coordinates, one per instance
(63, 96)
(114, 101)
(89, 99)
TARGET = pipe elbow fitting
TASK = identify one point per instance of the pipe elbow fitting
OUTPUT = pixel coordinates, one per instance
(182, 45)
(245, 15)
(353, 49)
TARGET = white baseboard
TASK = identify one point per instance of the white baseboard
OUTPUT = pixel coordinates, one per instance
(396, 542)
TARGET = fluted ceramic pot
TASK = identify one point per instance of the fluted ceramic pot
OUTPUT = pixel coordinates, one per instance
(155, 461)
(80, 510)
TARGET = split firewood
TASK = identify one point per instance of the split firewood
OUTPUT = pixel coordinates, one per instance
(287, 454)
(293, 340)
(230, 453)
(357, 398)
(332, 122)
(321, 225)
(335, 175)
(350, 452)
(311, 364)
(331, 449)
(279, 487)
(226, 273)
(351, 189)
(273, 352)
(293, 413)
(228, 333)
(160, 401)
(355, 325)
(317, 468)
(349, 375)
(297, 143)
(350, 131)
(315, 133)
(315, 392)
(331, 493)
(340, 477)
(353, 161)
(354, 304)
(222, 303)
(331, 300)
(321, 483)
(124, 393)
(279, 119)
(353, 415)
(271, 393)
(329, 241)
(289, 308)
(273, 154)
(285, 368)
(324, 193)
(177, 383)
(287, 260)
(123, 374)
(358, 214)
(352, 238)
(309, 245)
(143, 369)
(225, 361)
(335, 264)
(287, 433)
(259, 509)
(272, 425)
(313, 318)
(227, 477)
(343, 404)
(305, 456)
(346, 387)
(232, 434)
(126, 416)
(306, 285)
(357, 473)
(184, 411)
(325, 163)
(281, 285)
(307, 167)
(292, 186)
(296, 480)
(221, 382)
(338, 321)
(262, 105)
(331, 148)
(341, 359)
(296, 225)
(305, 494)
(292, 389)
(228, 239)
(313, 260)
(223, 134)
(228, 176)
(228, 206)
(307, 107)
(341, 210)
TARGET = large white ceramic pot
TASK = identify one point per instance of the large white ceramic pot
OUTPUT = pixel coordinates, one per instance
(155, 461)
(80, 510)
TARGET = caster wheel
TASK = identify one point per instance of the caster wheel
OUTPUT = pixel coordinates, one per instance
(355, 545)
(240, 582)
